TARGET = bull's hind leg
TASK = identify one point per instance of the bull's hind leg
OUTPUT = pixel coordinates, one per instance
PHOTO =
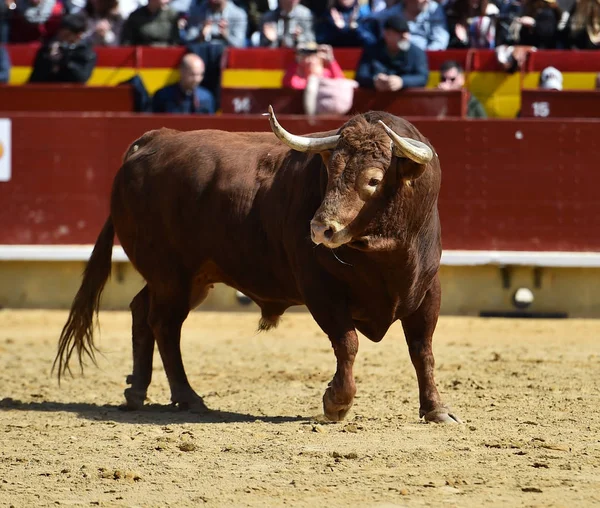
(143, 349)
(168, 311)
(418, 329)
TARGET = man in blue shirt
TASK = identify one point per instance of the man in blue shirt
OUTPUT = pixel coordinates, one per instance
(187, 96)
(395, 63)
(426, 20)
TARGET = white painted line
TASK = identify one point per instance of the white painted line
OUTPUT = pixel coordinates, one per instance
(449, 257)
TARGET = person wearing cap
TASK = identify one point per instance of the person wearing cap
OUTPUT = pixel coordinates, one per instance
(551, 79)
(394, 63)
(426, 21)
(67, 58)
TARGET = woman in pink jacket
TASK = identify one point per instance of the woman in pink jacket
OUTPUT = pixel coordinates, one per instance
(311, 60)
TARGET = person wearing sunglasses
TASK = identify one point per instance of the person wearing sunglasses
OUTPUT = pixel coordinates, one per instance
(452, 77)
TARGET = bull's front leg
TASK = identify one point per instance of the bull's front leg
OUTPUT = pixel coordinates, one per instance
(418, 329)
(339, 395)
(337, 324)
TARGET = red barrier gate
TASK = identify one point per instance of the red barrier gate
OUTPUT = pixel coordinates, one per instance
(507, 185)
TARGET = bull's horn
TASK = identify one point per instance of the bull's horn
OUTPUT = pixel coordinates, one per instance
(301, 143)
(410, 148)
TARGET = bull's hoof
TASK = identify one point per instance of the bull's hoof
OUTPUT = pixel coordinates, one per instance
(134, 399)
(441, 414)
(335, 411)
(192, 403)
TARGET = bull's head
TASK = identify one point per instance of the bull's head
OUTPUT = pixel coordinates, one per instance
(364, 178)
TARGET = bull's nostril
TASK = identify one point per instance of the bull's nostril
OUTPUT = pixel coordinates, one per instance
(328, 233)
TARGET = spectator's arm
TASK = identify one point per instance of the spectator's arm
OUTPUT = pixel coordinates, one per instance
(288, 77)
(367, 37)
(4, 65)
(336, 70)
(78, 67)
(43, 68)
(364, 72)
(439, 30)
(419, 77)
(237, 31)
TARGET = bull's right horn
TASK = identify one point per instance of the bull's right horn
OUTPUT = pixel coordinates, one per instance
(412, 149)
(301, 143)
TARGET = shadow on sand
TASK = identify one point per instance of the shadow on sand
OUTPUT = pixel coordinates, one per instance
(150, 414)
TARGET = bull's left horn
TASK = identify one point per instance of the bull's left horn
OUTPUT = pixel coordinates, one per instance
(410, 148)
(301, 143)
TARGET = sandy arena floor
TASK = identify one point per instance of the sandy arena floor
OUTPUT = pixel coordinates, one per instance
(529, 392)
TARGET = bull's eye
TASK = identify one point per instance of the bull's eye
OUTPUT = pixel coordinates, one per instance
(374, 182)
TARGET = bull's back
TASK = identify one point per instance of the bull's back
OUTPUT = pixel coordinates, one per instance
(190, 197)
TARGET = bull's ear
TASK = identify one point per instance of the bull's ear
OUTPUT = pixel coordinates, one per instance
(409, 170)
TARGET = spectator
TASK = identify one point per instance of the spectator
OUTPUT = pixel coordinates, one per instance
(344, 25)
(380, 5)
(104, 22)
(154, 24)
(6, 10)
(288, 25)
(471, 23)
(539, 24)
(4, 65)
(394, 63)
(584, 25)
(426, 20)
(34, 20)
(452, 77)
(326, 90)
(311, 60)
(217, 21)
(126, 7)
(186, 96)
(256, 9)
(551, 79)
(507, 22)
(67, 58)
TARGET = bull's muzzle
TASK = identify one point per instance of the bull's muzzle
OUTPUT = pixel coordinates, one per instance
(325, 233)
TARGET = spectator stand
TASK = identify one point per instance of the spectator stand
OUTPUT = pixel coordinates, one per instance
(499, 91)
(156, 66)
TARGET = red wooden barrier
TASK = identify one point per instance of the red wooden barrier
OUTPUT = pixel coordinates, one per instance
(425, 102)
(265, 58)
(507, 185)
(560, 104)
(68, 97)
(564, 60)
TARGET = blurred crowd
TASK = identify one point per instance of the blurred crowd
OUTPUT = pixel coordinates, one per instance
(394, 35)
(434, 25)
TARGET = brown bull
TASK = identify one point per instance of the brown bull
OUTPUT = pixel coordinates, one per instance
(345, 223)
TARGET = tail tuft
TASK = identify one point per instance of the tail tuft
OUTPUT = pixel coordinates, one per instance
(78, 332)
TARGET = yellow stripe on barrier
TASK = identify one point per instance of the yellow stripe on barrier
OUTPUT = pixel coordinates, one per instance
(499, 92)
(110, 76)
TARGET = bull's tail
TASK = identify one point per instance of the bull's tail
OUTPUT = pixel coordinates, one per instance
(78, 332)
